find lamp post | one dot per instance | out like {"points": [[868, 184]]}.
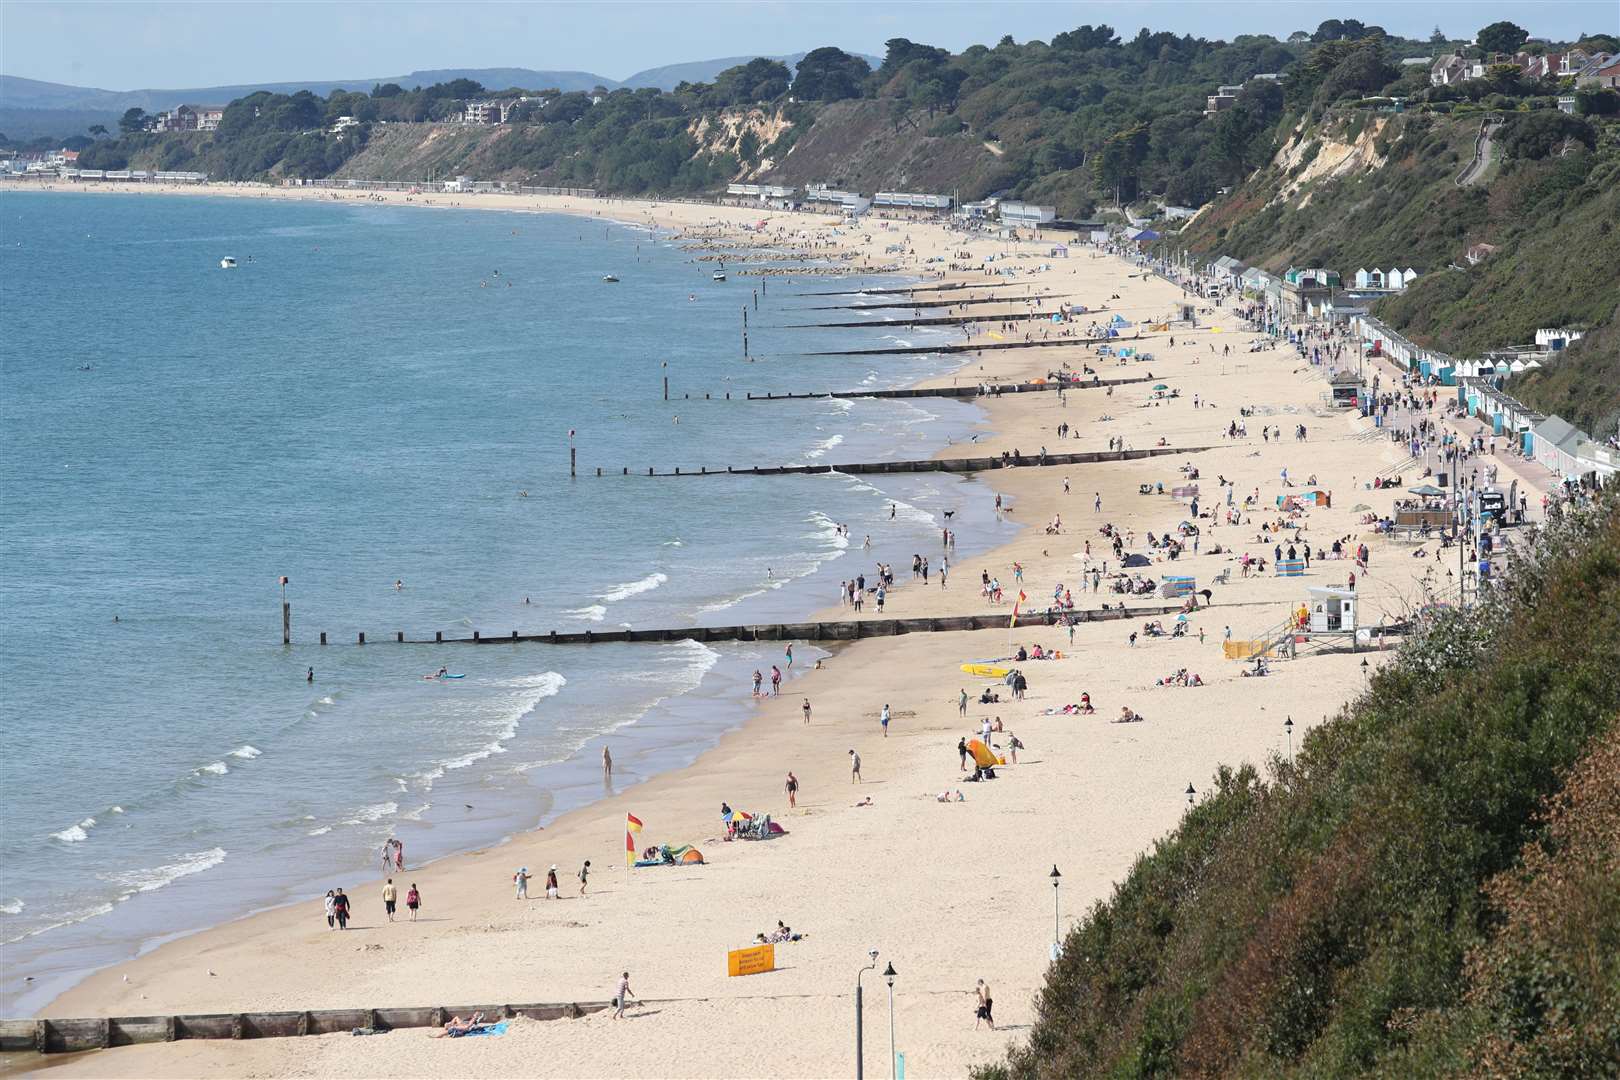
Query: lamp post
{"points": [[888, 977], [1288, 726], [1056, 879], [860, 1056], [1191, 793], [1364, 676]]}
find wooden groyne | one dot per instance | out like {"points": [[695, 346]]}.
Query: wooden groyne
{"points": [[961, 302], [893, 290], [979, 346], [975, 391], [843, 630], [925, 320], [100, 1033], [952, 465]]}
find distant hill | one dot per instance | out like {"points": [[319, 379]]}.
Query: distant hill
{"points": [[30, 107], [18, 93], [672, 75]]}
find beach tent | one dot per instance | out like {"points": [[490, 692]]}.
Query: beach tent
{"points": [[692, 855], [982, 755], [1137, 560], [1425, 489]]}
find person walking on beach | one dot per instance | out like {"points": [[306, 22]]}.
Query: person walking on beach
{"points": [[584, 876], [776, 680], [331, 914], [340, 909], [982, 1011], [521, 881], [622, 997], [1096, 502], [884, 720], [389, 896], [552, 890], [607, 758], [962, 752], [413, 900], [807, 710], [961, 702], [854, 767], [792, 789]]}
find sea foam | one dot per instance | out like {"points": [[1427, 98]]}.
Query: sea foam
{"points": [[633, 588]]}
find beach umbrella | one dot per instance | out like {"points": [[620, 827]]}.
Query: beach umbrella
{"points": [[1160, 386]]}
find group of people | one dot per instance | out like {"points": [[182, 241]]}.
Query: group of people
{"points": [[339, 911], [521, 879]]}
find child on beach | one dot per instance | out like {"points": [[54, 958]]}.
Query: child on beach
{"points": [[331, 916], [521, 881], [884, 720], [584, 874], [854, 767]]}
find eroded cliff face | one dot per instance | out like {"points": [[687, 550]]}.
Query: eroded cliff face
{"points": [[1330, 152]]}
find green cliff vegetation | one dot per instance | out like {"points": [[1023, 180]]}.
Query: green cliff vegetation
{"points": [[1430, 888]]}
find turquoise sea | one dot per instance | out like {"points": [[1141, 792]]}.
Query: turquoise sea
{"points": [[363, 400]]}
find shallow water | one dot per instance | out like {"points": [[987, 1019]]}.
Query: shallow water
{"points": [[363, 401]]}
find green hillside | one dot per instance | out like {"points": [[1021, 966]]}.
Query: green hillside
{"points": [[1431, 888]]}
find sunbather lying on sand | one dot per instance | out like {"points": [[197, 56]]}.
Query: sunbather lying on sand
{"points": [[458, 1027], [1127, 716]]}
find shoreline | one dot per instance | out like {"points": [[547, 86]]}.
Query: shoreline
{"points": [[544, 812], [932, 879]]}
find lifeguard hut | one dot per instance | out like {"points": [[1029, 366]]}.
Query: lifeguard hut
{"points": [[1332, 610]]}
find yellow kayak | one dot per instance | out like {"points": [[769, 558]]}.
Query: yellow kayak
{"points": [[988, 671]]}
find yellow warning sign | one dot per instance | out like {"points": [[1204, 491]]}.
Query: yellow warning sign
{"points": [[751, 961]]}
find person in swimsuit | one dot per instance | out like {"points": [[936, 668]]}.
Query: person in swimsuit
{"points": [[792, 789], [983, 1011]]}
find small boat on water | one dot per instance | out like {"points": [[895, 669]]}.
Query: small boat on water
{"points": [[610, 279], [227, 263], [718, 275]]}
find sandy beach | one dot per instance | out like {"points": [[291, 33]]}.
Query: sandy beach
{"points": [[948, 892]]}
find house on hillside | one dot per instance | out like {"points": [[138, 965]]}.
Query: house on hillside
{"points": [[189, 118], [1478, 253], [344, 123], [1604, 78], [1448, 69], [1222, 99]]}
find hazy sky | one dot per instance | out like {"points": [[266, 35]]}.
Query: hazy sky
{"points": [[132, 45]]}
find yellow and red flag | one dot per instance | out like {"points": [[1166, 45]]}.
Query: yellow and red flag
{"points": [[1020, 600], [632, 825]]}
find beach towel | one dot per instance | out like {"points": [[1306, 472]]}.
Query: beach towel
{"points": [[488, 1029]]}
